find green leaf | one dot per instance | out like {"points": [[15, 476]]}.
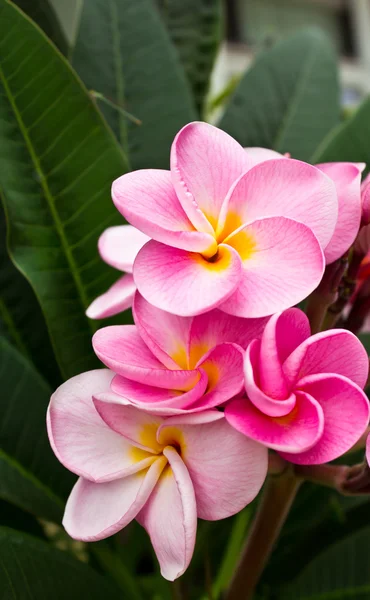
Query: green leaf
{"points": [[123, 52], [30, 475], [340, 572], [42, 12], [32, 569], [57, 162], [196, 28], [289, 99], [349, 141], [21, 319]]}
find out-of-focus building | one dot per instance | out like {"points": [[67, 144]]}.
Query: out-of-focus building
{"points": [[254, 24]]}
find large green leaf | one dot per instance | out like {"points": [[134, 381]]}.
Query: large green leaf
{"points": [[57, 162], [196, 28], [289, 99], [349, 141], [32, 570], [123, 52], [42, 12], [30, 475], [340, 572], [21, 319]]}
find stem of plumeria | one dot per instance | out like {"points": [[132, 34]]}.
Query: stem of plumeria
{"points": [[278, 495], [326, 293]]}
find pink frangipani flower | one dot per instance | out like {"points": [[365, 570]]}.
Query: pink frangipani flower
{"points": [[304, 395], [227, 232], [133, 465], [347, 179], [169, 365], [118, 247]]}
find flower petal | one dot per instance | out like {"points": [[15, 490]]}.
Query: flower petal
{"points": [[258, 155], [335, 351], [266, 404], [362, 243], [205, 162], [166, 335], [184, 283], [282, 264], [216, 327], [285, 187], [226, 468], [80, 439], [299, 430], [347, 179], [118, 298], [170, 517], [147, 200], [346, 415], [118, 246], [95, 511], [150, 397], [365, 200], [121, 348]]}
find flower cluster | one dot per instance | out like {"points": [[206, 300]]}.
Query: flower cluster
{"points": [[217, 368]]}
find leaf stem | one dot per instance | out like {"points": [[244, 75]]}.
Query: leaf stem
{"points": [[278, 496]]}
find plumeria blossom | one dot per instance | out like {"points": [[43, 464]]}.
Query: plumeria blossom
{"points": [[353, 199], [118, 247], [227, 232], [133, 465], [362, 245], [169, 365], [304, 395]]}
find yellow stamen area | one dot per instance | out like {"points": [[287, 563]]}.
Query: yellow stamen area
{"points": [[213, 373], [171, 436], [147, 438], [180, 356], [196, 353], [244, 243], [286, 419], [219, 262], [232, 222]]}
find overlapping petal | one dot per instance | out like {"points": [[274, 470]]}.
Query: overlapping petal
{"points": [[148, 201], [118, 298], [118, 246], [205, 162], [185, 283], [222, 487], [275, 252], [347, 179]]}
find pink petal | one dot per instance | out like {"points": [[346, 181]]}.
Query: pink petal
{"points": [[205, 162], [266, 404], [80, 439], [121, 348], [287, 188], [362, 243], [170, 518], [149, 397], [347, 179], [215, 327], [95, 511], [226, 468], [147, 200], [365, 200], [224, 367], [280, 251], [334, 351], [282, 334], [118, 298], [368, 449], [165, 334], [257, 155], [346, 415], [185, 283], [299, 430], [137, 426], [118, 246]]}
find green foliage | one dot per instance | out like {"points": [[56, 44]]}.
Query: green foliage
{"points": [[30, 568], [30, 475], [42, 12], [340, 572], [289, 99], [123, 52], [55, 178], [195, 27]]}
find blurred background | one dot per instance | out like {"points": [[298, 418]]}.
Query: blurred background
{"points": [[255, 24]]}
